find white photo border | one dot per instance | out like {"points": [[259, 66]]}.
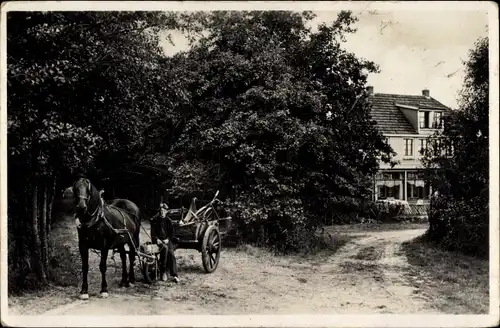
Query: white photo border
{"points": [[387, 320]]}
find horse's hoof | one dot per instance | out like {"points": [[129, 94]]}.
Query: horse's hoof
{"points": [[104, 295], [131, 285], [84, 296]]}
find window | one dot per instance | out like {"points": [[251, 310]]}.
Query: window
{"points": [[416, 187], [390, 185], [436, 147], [408, 147], [438, 120], [411, 191], [418, 175], [388, 192], [448, 149], [423, 119], [417, 192], [423, 146], [397, 176]]}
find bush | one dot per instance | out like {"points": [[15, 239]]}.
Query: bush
{"points": [[459, 213], [385, 211], [277, 233], [284, 227], [460, 225], [281, 227]]}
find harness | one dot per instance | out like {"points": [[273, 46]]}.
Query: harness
{"points": [[98, 215]]}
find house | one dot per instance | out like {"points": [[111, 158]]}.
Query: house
{"points": [[407, 121]]}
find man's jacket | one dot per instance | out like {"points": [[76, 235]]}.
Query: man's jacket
{"points": [[161, 228]]}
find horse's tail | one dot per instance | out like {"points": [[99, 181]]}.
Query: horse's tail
{"points": [[137, 220]]}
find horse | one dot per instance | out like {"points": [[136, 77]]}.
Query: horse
{"points": [[103, 227]]}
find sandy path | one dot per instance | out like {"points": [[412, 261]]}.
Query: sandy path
{"points": [[365, 276]]}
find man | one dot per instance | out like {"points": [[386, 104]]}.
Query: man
{"points": [[162, 231]]}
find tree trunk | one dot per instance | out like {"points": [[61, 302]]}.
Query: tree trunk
{"points": [[36, 252], [52, 194], [22, 238], [43, 230]]}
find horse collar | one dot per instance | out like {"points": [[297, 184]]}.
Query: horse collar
{"points": [[94, 217]]}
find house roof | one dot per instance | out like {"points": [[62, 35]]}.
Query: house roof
{"points": [[390, 119]]}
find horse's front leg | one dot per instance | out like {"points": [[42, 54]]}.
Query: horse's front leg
{"points": [[102, 268], [84, 254], [131, 256], [123, 256]]}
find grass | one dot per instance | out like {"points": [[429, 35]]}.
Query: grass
{"points": [[326, 248], [28, 303], [325, 245], [370, 253], [455, 283], [361, 227], [65, 263], [64, 270]]}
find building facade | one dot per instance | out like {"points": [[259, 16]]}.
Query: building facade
{"points": [[406, 121]]}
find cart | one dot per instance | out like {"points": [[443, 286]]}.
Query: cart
{"points": [[198, 229]]}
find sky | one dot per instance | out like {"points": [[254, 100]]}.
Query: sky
{"points": [[415, 50]]}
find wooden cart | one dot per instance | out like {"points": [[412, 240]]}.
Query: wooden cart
{"points": [[198, 229]]}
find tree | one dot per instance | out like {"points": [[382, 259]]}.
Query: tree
{"points": [[276, 118], [459, 164], [83, 87]]}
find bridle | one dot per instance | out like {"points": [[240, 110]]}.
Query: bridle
{"points": [[97, 214]]}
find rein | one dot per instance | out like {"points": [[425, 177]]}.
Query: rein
{"points": [[99, 214]]}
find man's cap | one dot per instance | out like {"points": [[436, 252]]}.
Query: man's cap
{"points": [[163, 206]]}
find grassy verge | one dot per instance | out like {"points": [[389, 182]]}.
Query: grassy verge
{"points": [[30, 303], [326, 246], [64, 270], [455, 283], [362, 227], [65, 263]]}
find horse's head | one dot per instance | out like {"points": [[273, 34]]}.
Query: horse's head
{"points": [[82, 191]]}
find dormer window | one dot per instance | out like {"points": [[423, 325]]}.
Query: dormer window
{"points": [[438, 120], [424, 120]]}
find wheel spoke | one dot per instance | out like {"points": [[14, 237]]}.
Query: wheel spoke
{"points": [[213, 238], [211, 249]]}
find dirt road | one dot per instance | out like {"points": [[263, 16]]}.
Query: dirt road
{"points": [[367, 275]]}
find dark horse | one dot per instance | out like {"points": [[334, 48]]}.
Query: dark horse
{"points": [[103, 227]]}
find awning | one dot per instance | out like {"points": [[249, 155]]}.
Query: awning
{"points": [[389, 183], [417, 183]]}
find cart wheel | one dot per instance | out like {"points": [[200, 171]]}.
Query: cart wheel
{"points": [[211, 247], [149, 272]]}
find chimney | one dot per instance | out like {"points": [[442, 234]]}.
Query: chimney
{"points": [[425, 93], [369, 89]]}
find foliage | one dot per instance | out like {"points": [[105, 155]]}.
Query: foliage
{"points": [[459, 215], [83, 87], [460, 225], [275, 116], [84, 82], [388, 210]]}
